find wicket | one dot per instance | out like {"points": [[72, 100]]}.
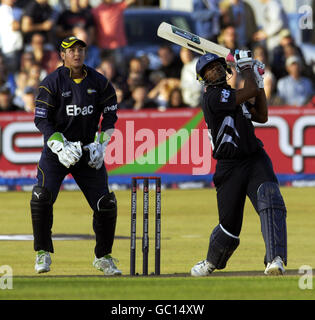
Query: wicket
{"points": [[145, 238]]}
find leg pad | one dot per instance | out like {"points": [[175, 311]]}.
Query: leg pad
{"points": [[42, 218], [104, 224], [272, 213], [221, 247]]}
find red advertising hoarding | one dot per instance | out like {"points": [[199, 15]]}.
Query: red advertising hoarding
{"points": [[173, 144]]}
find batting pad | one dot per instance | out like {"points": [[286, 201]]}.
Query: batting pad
{"points": [[222, 245], [272, 214]]}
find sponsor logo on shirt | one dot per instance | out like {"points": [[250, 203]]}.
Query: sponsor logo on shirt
{"points": [[110, 108], [41, 112], [225, 95], [66, 94], [74, 110], [90, 91]]}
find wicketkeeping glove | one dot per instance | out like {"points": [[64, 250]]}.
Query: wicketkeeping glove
{"points": [[69, 153], [243, 60], [97, 149], [259, 70]]}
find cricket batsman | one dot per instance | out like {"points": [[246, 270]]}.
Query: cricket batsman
{"points": [[69, 107], [243, 167]]}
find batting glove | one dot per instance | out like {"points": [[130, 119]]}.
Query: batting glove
{"points": [[243, 60], [69, 153], [259, 70], [97, 149]]}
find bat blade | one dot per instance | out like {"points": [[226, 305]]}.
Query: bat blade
{"points": [[191, 41]]}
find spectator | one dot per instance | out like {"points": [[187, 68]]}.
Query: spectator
{"points": [[135, 65], [176, 100], [47, 59], [161, 92], [38, 17], [260, 53], [206, 13], [11, 40], [75, 17], [85, 4], [108, 69], [190, 86], [139, 98], [171, 65], [5, 78], [35, 75], [27, 60], [275, 20], [121, 102], [92, 56], [29, 99], [294, 89], [138, 66], [281, 52], [20, 80], [6, 103], [147, 65], [110, 28], [241, 15], [133, 80], [228, 39]]}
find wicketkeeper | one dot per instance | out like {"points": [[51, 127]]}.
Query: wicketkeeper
{"points": [[243, 167], [69, 106]]}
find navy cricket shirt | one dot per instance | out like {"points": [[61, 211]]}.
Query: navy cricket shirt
{"points": [[75, 109], [230, 126]]}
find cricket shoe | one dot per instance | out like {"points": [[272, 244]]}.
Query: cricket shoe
{"points": [[202, 269], [275, 267], [43, 261], [106, 264]]}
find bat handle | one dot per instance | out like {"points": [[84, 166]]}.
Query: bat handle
{"points": [[230, 58]]}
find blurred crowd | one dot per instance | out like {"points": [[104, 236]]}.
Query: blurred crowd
{"points": [[31, 32]]}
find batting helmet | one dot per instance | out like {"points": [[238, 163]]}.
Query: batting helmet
{"points": [[205, 60]]}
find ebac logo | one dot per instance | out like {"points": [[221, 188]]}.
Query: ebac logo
{"points": [[73, 110]]}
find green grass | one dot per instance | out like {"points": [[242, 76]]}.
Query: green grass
{"points": [[188, 216], [181, 288]]}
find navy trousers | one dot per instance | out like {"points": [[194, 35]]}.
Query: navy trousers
{"points": [[92, 182], [236, 179]]}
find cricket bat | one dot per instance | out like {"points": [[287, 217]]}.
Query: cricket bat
{"points": [[193, 42]]}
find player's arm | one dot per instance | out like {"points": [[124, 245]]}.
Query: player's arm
{"points": [[250, 89], [69, 153], [45, 106], [244, 66], [108, 104], [259, 111]]}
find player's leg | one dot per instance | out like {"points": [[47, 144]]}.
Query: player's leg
{"points": [[44, 193], [93, 184], [264, 192], [224, 239]]}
